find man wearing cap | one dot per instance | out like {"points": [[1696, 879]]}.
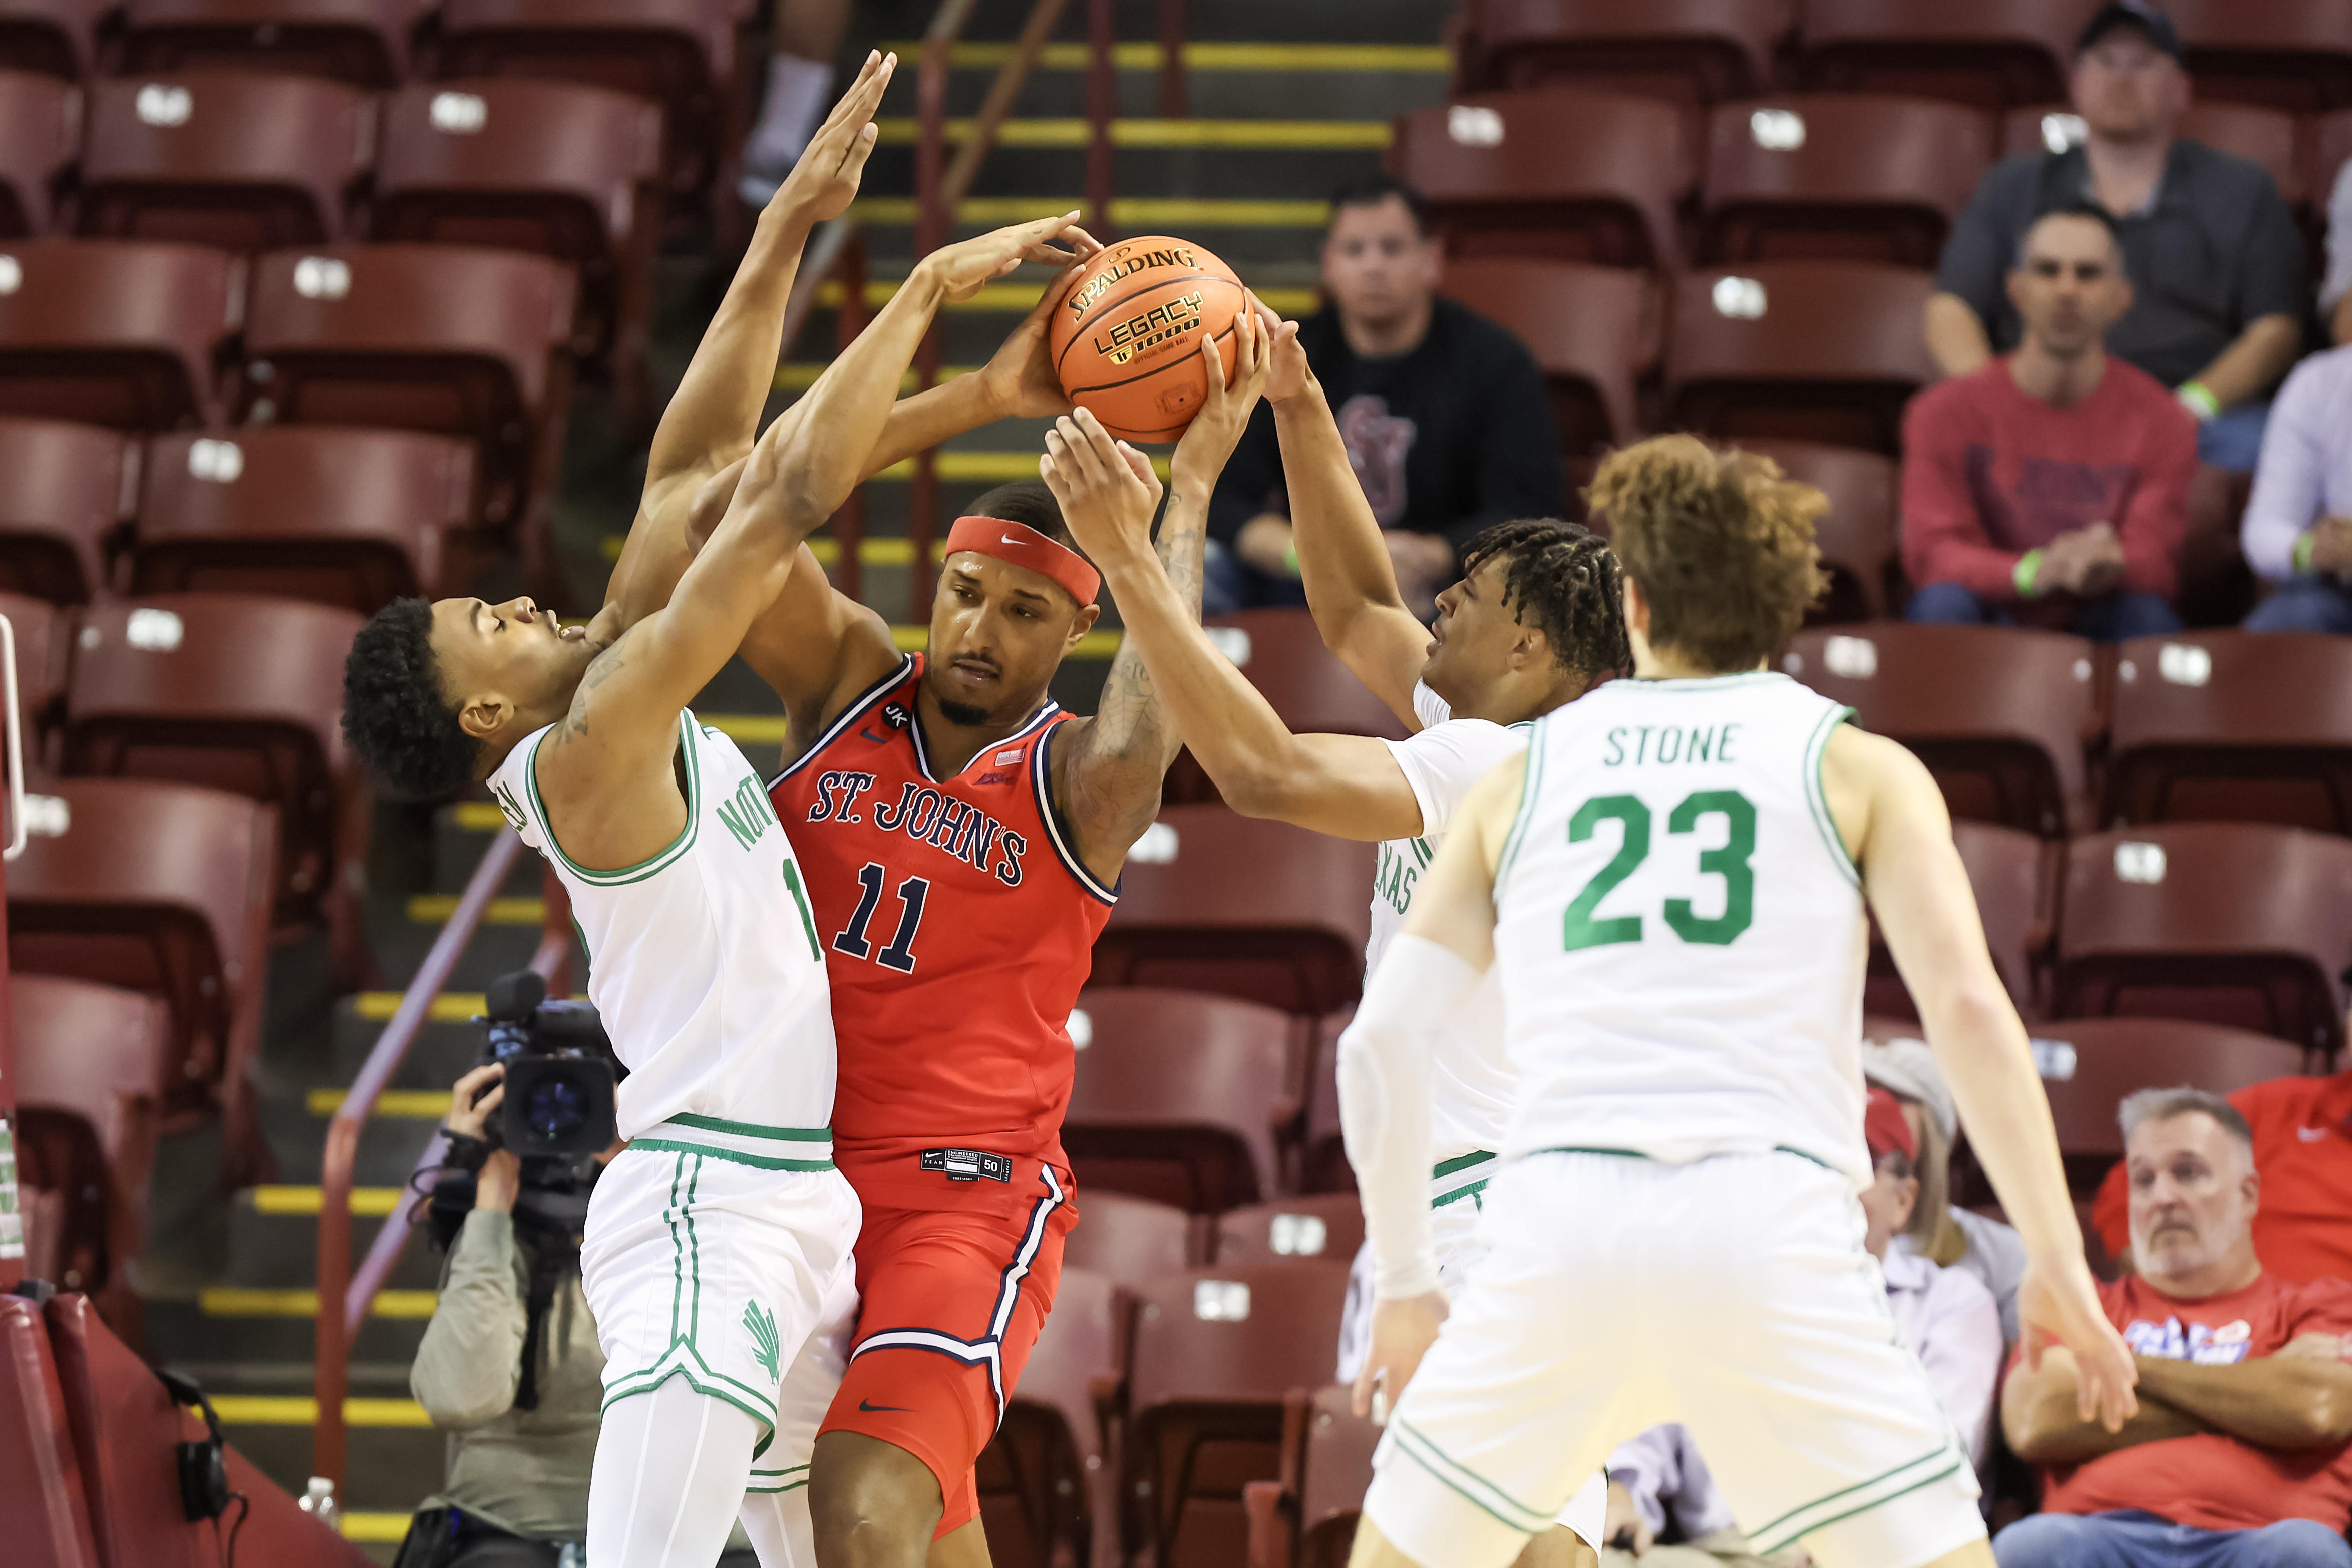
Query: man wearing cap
{"points": [[2217, 260], [2241, 1453]]}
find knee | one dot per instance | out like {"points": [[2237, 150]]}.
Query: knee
{"points": [[1945, 603], [2046, 1540], [866, 1498], [2144, 616], [2296, 1544]]}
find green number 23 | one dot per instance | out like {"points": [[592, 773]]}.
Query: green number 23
{"points": [[1728, 860]]}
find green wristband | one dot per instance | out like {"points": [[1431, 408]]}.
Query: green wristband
{"points": [[2301, 557], [2199, 399], [1290, 560], [2029, 567]]}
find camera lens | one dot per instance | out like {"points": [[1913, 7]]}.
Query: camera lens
{"points": [[555, 1109]]}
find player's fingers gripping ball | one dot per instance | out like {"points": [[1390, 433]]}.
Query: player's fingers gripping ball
{"points": [[1126, 336]]}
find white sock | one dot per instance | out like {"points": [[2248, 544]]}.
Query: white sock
{"points": [[670, 1471], [798, 95]]}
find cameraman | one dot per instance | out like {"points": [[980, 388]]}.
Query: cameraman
{"points": [[518, 1390]]}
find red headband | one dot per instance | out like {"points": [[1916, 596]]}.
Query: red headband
{"points": [[1025, 547]]}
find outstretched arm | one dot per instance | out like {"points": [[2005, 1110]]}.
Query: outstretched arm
{"points": [[1351, 586]]}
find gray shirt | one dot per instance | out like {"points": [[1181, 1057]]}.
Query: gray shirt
{"points": [[2214, 249]]}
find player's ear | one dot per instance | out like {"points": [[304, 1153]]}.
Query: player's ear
{"points": [[1080, 624], [483, 717]]}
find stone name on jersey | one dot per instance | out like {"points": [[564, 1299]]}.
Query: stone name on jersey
{"points": [[957, 828]]}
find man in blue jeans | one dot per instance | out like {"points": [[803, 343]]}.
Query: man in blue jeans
{"points": [[2241, 1453]]}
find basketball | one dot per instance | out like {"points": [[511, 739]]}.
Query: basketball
{"points": [[1127, 338]]}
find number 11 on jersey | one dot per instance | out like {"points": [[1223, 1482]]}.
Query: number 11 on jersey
{"points": [[900, 954]]}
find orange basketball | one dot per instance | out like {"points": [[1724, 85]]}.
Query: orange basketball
{"points": [[1127, 338]]}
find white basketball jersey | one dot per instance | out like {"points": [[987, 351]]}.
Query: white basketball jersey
{"points": [[703, 961], [1471, 1087], [1680, 930]]}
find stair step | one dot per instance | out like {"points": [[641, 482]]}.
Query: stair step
{"points": [[280, 1200], [1020, 298], [301, 1410], [1222, 135], [251, 1301], [376, 1529], [405, 1104], [1432, 59], [1132, 214]]}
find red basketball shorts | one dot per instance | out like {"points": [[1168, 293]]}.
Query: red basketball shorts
{"points": [[952, 1300]]}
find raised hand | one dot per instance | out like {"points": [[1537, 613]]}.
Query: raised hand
{"points": [[1106, 488], [2057, 1303], [1209, 442], [961, 270], [823, 183], [1020, 378], [1288, 374]]}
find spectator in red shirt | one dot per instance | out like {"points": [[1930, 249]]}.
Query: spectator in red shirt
{"points": [[2303, 1151], [2240, 1454], [2051, 486]]}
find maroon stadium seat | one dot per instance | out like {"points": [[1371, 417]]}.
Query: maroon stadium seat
{"points": [[1861, 548], [1323, 1156], [1046, 1481], [1127, 1240], [1182, 1096], [344, 517], [2235, 726], [1818, 351], [118, 334], [65, 492], [240, 691], [52, 37], [1575, 176], [1594, 330], [43, 635], [567, 171], [1284, 658], [222, 158], [2088, 1065], [40, 130], [1688, 50], [2329, 139], [2264, 136], [2233, 922], [41, 1493], [2010, 874], [1215, 1351], [1307, 1518], [447, 339], [1261, 910], [1999, 714], [126, 1430], [94, 1056], [2294, 55], [1322, 1225], [166, 889], [1852, 176], [1990, 53], [680, 53], [363, 42]]}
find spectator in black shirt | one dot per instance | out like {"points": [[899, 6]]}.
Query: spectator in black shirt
{"points": [[1445, 415], [2216, 259]]}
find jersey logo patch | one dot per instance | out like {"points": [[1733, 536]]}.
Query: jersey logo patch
{"points": [[767, 1346], [507, 809], [1007, 758], [747, 812], [896, 716], [968, 1165]]}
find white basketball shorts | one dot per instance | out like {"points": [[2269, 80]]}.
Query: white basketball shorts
{"points": [[1733, 1295], [736, 1277]]}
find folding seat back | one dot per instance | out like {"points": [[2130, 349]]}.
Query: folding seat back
{"points": [[2233, 726], [362, 42], [1594, 330], [1126, 1239], [1330, 1466], [40, 130], [1999, 715], [2259, 135], [1285, 659], [2010, 875], [1323, 1156], [1691, 51], [1859, 541], [1855, 176], [41, 1489], [51, 37], [350, 518], [2329, 139], [1216, 1350], [65, 490], [222, 158], [2089, 1065], [1182, 1096], [125, 335], [43, 634], [2241, 924], [232, 691], [1990, 53], [447, 339], [1216, 902], [2294, 55], [162, 888], [1820, 350], [1573, 176], [1045, 1481], [1321, 1225], [679, 53]]}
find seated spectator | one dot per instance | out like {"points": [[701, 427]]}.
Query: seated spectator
{"points": [[2336, 288], [1945, 1316], [2050, 486], [2302, 1130], [1445, 414], [1951, 1238], [2241, 1453], [2220, 317], [2298, 527]]}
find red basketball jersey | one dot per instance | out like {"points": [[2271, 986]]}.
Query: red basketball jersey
{"points": [[958, 925]]}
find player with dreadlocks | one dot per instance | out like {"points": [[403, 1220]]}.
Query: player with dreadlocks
{"points": [[1534, 623]]}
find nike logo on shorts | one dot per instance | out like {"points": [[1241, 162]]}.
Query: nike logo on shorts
{"points": [[877, 1409]]}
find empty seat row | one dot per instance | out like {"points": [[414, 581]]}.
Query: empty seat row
{"points": [[2290, 54], [1627, 180]]}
